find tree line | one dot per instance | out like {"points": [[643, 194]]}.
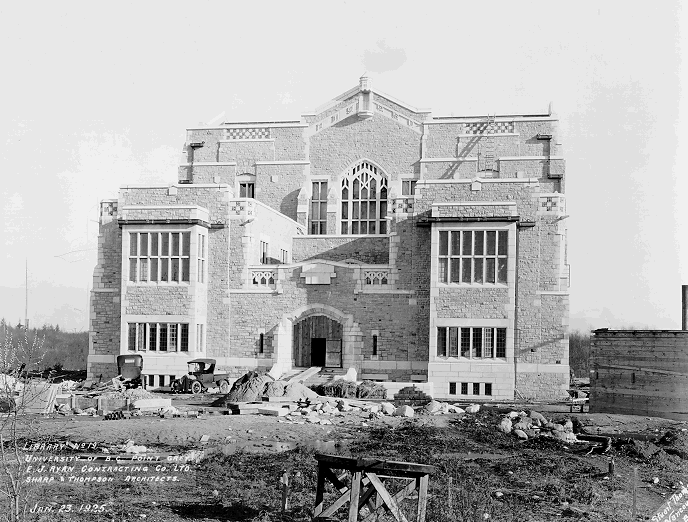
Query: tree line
{"points": [[60, 349]]}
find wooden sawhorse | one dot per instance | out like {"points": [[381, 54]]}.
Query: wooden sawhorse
{"points": [[367, 488]]}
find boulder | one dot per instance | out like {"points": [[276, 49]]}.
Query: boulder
{"points": [[523, 424], [387, 408], [433, 407], [505, 425], [513, 414], [521, 434], [537, 417], [473, 408], [403, 411], [568, 426], [458, 408]]}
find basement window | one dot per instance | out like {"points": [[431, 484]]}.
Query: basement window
{"points": [[476, 388], [452, 388], [488, 388], [464, 388]]}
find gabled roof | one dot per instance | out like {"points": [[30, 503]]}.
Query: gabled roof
{"points": [[364, 86]]}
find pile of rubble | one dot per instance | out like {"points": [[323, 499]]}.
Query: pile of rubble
{"points": [[319, 412], [533, 424]]}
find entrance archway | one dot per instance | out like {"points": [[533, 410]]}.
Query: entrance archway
{"points": [[317, 341], [351, 336]]}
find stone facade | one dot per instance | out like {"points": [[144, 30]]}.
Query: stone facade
{"points": [[435, 245]]}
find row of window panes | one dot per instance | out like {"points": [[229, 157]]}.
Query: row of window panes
{"points": [[162, 337], [159, 256], [163, 380], [471, 342], [473, 256], [487, 388]]}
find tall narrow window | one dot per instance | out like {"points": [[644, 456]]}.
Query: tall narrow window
{"points": [[184, 338], [201, 258], [261, 343], [318, 215], [374, 344], [264, 253], [364, 201]]}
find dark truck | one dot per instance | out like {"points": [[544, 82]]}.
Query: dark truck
{"points": [[201, 376]]}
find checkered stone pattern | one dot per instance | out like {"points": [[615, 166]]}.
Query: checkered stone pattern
{"points": [[252, 133], [242, 208], [553, 204], [403, 206], [499, 127]]}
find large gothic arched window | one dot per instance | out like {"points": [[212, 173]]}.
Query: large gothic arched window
{"points": [[364, 200]]}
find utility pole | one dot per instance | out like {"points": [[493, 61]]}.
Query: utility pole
{"points": [[26, 301]]}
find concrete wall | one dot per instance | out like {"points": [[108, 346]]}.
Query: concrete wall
{"points": [[640, 372]]}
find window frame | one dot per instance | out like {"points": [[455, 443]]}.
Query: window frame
{"points": [[464, 342], [459, 263], [319, 224], [369, 177], [152, 262], [147, 337]]}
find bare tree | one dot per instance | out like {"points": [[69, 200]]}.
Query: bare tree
{"points": [[17, 391]]}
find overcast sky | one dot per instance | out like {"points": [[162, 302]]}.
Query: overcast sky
{"points": [[95, 96]]}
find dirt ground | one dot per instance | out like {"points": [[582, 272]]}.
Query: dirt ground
{"points": [[494, 476]]}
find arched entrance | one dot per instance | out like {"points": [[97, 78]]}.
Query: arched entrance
{"points": [[317, 341], [351, 337]]}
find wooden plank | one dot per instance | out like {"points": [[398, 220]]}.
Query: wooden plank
{"points": [[355, 496], [336, 481], [338, 503], [382, 507], [320, 489], [379, 466], [422, 498], [391, 504]]}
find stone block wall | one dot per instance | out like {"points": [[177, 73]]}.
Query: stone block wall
{"points": [[370, 249]]}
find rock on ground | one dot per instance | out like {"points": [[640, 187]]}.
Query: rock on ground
{"points": [[538, 417], [433, 407], [404, 411], [521, 434], [387, 408], [505, 425], [473, 408]]}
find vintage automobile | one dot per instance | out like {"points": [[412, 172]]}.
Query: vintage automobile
{"points": [[201, 376], [130, 368]]}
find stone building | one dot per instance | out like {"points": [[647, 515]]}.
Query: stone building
{"points": [[368, 234]]}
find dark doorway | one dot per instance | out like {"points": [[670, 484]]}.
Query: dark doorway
{"points": [[317, 342], [318, 351]]}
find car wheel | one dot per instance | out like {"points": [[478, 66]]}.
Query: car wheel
{"points": [[196, 387], [224, 387]]}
